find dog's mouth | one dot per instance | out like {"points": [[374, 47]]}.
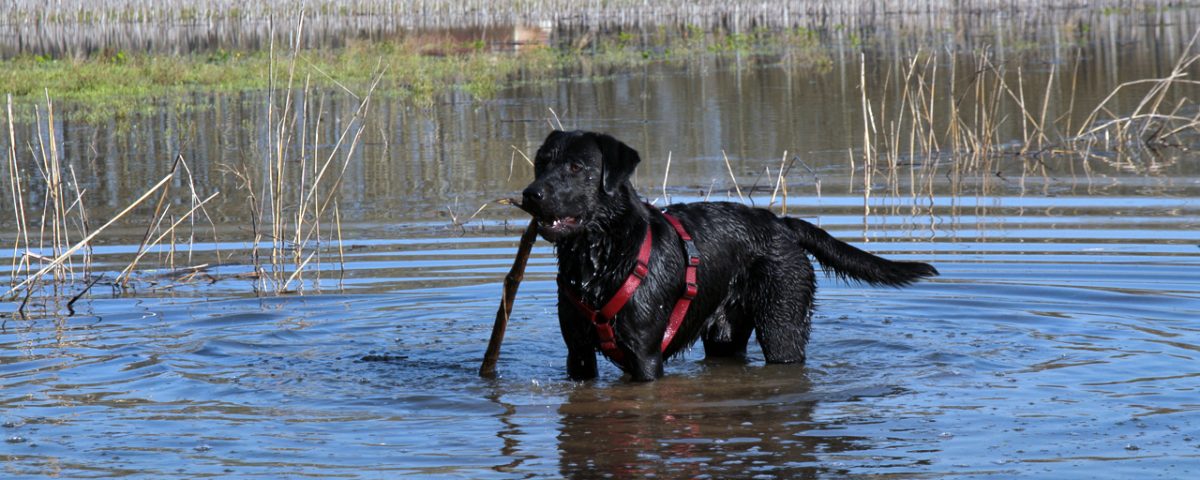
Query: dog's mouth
{"points": [[555, 229], [558, 224], [551, 227]]}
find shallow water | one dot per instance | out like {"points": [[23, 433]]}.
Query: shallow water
{"points": [[1051, 345], [1061, 338]]}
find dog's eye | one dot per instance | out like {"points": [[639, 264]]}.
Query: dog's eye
{"points": [[575, 167]]}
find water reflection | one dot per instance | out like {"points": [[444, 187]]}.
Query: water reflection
{"points": [[729, 420], [431, 165]]}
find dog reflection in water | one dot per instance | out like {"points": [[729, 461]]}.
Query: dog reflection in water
{"points": [[734, 421]]}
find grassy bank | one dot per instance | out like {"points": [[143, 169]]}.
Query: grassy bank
{"points": [[117, 84]]}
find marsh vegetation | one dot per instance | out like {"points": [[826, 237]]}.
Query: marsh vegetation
{"points": [[949, 105]]}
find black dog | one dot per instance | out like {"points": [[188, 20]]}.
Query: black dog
{"points": [[753, 271]]}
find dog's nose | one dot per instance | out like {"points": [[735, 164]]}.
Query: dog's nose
{"points": [[533, 194]]}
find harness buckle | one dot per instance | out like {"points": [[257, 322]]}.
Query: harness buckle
{"points": [[605, 332], [641, 270], [691, 291]]}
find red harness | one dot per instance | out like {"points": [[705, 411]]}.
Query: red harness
{"points": [[603, 318]]}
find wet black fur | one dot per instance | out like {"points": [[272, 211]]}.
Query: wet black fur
{"points": [[755, 274]]}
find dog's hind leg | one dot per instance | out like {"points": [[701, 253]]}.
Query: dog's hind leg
{"points": [[780, 300]]}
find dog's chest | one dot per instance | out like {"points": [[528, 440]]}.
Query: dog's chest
{"points": [[591, 268]]}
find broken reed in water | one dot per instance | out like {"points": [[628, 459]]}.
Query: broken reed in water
{"points": [[296, 219], [53, 242]]}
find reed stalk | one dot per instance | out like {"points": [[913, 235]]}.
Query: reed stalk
{"points": [[924, 117], [20, 262], [61, 258], [45, 267], [123, 277], [732, 177], [290, 207]]}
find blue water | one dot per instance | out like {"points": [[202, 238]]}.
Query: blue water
{"points": [[1050, 346]]}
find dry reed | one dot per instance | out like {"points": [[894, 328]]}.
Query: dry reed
{"points": [[909, 123], [291, 209], [294, 204]]}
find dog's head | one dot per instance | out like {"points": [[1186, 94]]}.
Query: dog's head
{"points": [[580, 178]]}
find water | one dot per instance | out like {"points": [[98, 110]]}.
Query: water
{"points": [[1060, 340], [1051, 345]]}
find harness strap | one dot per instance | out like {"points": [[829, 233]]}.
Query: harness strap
{"points": [[602, 319], [691, 287]]}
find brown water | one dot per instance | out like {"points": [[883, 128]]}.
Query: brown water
{"points": [[1060, 341]]}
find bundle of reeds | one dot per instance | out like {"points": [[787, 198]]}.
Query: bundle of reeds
{"points": [[292, 194]]}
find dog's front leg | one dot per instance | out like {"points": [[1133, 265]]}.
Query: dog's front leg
{"points": [[581, 363], [577, 334]]}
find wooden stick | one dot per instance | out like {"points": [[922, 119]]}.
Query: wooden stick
{"points": [[511, 282]]}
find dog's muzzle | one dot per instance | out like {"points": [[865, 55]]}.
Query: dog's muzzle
{"points": [[552, 226]]}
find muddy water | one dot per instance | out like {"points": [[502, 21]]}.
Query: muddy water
{"points": [[1061, 339]]}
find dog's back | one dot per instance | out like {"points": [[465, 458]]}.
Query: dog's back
{"points": [[747, 230]]}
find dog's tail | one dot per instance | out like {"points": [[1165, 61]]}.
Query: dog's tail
{"points": [[848, 262]]}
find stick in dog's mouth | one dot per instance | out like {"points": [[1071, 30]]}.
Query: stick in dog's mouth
{"points": [[547, 223], [516, 202]]}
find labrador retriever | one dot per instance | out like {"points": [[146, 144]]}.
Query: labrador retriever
{"points": [[641, 284]]}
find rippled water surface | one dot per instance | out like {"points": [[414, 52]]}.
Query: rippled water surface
{"points": [[1061, 339], [1052, 344]]}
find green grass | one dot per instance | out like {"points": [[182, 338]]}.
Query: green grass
{"points": [[118, 84]]}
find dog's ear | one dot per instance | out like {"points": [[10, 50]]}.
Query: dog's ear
{"points": [[618, 163]]}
